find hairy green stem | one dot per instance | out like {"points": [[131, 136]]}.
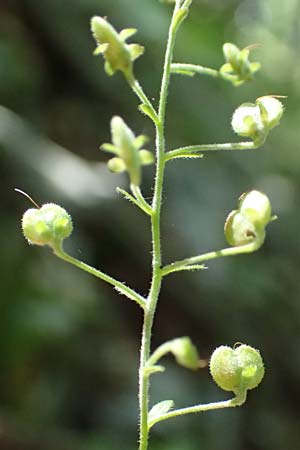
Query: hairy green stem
{"points": [[185, 264], [156, 239], [138, 90], [183, 151], [119, 286], [192, 69], [236, 401]]}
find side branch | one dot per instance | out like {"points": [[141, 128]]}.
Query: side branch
{"points": [[194, 149], [236, 401], [119, 286], [186, 264]]}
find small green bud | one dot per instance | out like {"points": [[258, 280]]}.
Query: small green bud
{"points": [[124, 140], [185, 353], [126, 147], [271, 110], [238, 369], [48, 225], [117, 54], [256, 207]]}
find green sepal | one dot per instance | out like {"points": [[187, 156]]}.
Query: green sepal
{"points": [[116, 165], [141, 140], [135, 51], [108, 69], [109, 148], [146, 157], [159, 410], [101, 49], [127, 33]]}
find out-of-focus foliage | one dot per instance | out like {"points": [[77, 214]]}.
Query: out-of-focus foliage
{"points": [[69, 345]]}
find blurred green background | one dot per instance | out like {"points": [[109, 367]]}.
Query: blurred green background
{"points": [[69, 343]]}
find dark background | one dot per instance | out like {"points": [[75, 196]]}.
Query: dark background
{"points": [[69, 343]]}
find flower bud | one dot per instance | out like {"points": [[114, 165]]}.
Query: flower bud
{"points": [[126, 147], [123, 139], [185, 353], [48, 225], [256, 207], [117, 54], [238, 369], [271, 110]]}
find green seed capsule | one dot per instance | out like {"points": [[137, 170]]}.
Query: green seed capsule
{"points": [[238, 369], [239, 230], [256, 207], [48, 225]]}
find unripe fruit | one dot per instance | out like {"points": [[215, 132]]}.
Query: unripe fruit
{"points": [[48, 225], [256, 207], [237, 370]]}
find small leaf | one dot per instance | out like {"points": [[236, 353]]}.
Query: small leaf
{"points": [[149, 370], [124, 292], [160, 409], [127, 33], [145, 109], [186, 72]]}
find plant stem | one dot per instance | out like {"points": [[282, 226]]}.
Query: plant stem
{"points": [[247, 145], [236, 401], [119, 286], [149, 311], [185, 264]]}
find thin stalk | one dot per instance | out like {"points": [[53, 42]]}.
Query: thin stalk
{"points": [[156, 239], [192, 69], [138, 90], [236, 401], [141, 200], [182, 151], [119, 286], [185, 264]]}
